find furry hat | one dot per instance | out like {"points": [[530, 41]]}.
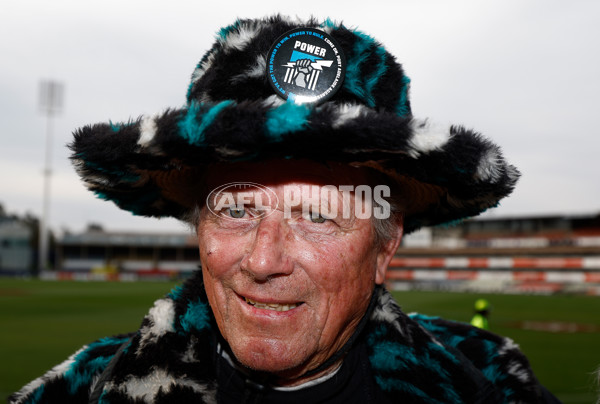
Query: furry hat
{"points": [[153, 166]]}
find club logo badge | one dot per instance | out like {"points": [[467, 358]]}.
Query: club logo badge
{"points": [[306, 65]]}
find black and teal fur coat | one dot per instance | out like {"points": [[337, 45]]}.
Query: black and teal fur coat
{"points": [[170, 359]]}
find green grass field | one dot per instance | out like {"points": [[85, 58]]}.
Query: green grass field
{"points": [[42, 323]]}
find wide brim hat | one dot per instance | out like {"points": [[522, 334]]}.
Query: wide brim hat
{"points": [[154, 165]]}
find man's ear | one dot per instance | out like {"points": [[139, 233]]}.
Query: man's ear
{"points": [[386, 253]]}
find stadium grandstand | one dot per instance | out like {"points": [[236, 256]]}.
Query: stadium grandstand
{"points": [[98, 254], [530, 254], [546, 254]]}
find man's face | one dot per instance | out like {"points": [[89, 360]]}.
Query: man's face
{"points": [[288, 289]]}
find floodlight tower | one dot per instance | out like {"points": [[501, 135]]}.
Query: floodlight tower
{"points": [[51, 100]]}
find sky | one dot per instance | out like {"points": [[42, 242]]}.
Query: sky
{"points": [[524, 73]]}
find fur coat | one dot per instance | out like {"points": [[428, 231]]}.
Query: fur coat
{"points": [[170, 359]]}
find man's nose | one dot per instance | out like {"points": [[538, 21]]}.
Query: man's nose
{"points": [[267, 257]]}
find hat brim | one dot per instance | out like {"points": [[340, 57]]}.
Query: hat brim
{"points": [[154, 166]]}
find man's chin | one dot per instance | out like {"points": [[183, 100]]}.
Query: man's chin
{"points": [[269, 364], [281, 363]]}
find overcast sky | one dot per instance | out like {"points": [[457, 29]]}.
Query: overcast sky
{"points": [[523, 73]]}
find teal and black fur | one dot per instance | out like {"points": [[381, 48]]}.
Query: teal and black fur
{"points": [[153, 165], [171, 359]]}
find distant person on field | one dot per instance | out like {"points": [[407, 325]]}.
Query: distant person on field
{"points": [[482, 311]]}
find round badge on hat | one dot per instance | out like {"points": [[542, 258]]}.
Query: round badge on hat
{"points": [[306, 65]]}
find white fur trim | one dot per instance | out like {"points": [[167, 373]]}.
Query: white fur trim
{"points": [[517, 370], [225, 152], [161, 317], [507, 345], [240, 38], [273, 101], [327, 28], [514, 368], [147, 131], [146, 388], [427, 138], [95, 180], [347, 112], [387, 312], [488, 168], [189, 355], [200, 70], [512, 172]]}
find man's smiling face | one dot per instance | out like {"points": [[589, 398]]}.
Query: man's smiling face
{"points": [[288, 290]]}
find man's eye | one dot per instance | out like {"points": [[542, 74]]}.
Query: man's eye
{"points": [[237, 213], [317, 218]]}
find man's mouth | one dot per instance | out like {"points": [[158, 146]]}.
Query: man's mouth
{"points": [[272, 306]]}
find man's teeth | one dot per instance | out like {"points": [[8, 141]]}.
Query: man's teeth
{"points": [[271, 306]]}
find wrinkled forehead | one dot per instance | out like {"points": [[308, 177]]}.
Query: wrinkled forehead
{"points": [[282, 172]]}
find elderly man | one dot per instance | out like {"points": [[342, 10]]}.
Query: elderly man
{"points": [[299, 164]]}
